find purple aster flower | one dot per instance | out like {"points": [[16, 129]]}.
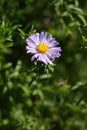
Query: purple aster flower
{"points": [[42, 47], [47, 22], [61, 83]]}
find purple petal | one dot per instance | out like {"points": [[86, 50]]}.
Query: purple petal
{"points": [[54, 49], [48, 60], [50, 38], [34, 38], [34, 57], [54, 52], [30, 43], [52, 43], [42, 36], [31, 50], [37, 37], [44, 59]]}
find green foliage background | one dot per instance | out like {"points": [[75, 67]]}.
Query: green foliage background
{"points": [[34, 96]]}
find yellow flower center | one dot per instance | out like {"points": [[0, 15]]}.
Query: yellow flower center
{"points": [[42, 47]]}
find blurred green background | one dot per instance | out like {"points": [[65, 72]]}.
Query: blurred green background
{"points": [[36, 97]]}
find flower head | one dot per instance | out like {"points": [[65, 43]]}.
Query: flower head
{"points": [[47, 22], [62, 83], [42, 47]]}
